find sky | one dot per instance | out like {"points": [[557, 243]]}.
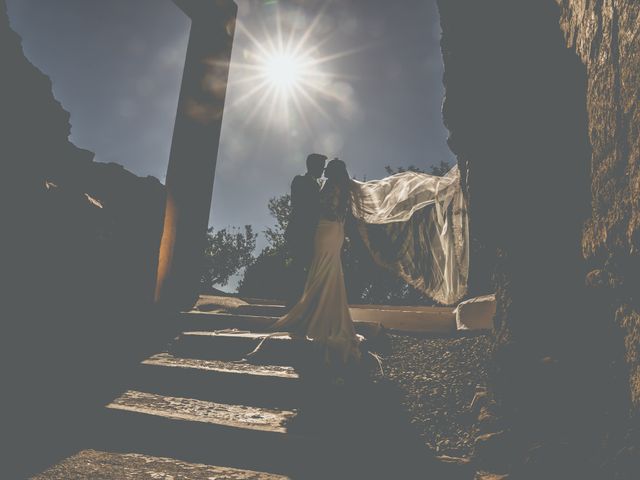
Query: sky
{"points": [[371, 92]]}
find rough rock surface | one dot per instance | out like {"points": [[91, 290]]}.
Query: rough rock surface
{"points": [[78, 231], [168, 360], [80, 241], [91, 464], [606, 36], [542, 106], [191, 409]]}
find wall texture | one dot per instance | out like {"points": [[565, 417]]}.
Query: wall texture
{"points": [[78, 259], [542, 106], [606, 36]]}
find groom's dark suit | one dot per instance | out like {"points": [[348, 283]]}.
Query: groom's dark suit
{"points": [[305, 212]]}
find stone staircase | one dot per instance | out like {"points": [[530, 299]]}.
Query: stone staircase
{"points": [[198, 411]]}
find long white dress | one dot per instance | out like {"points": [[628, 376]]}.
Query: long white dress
{"points": [[322, 313]]}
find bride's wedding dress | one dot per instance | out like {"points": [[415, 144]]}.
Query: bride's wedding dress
{"points": [[322, 313]]}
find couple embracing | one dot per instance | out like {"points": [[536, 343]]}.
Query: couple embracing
{"points": [[420, 233], [315, 234]]}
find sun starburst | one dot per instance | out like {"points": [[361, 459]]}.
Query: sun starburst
{"points": [[284, 71], [284, 74]]}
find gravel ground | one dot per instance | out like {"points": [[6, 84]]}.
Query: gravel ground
{"points": [[438, 379]]}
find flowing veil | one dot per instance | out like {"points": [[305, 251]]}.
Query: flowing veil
{"points": [[416, 225]]}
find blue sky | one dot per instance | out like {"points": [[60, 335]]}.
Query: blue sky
{"points": [[116, 67]]}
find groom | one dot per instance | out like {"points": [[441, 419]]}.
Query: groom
{"points": [[305, 212]]}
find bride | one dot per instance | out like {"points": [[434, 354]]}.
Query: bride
{"points": [[413, 224]]}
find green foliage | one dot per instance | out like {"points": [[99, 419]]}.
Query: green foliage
{"points": [[280, 209], [410, 168], [268, 275], [439, 170], [226, 253]]}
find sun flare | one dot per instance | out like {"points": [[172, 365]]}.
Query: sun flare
{"points": [[284, 70], [283, 77]]}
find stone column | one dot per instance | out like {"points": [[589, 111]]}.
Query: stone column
{"points": [[194, 150]]}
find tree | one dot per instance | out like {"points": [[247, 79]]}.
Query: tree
{"points": [[280, 209], [226, 253], [410, 168], [268, 276], [439, 170]]}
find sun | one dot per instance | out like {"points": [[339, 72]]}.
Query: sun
{"points": [[284, 70], [283, 77]]}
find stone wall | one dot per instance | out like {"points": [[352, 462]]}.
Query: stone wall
{"points": [[80, 243], [542, 106], [606, 36]]}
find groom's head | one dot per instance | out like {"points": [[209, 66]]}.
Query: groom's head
{"points": [[315, 164]]}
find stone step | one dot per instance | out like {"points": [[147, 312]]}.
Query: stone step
{"points": [[202, 321], [304, 355], [227, 382], [230, 345], [194, 410], [335, 441], [257, 309], [213, 366], [209, 321], [262, 301], [92, 465], [211, 433], [428, 320]]}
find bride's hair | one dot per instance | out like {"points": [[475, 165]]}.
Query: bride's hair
{"points": [[337, 175]]}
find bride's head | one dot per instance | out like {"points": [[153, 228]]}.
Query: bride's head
{"points": [[336, 172], [338, 181]]}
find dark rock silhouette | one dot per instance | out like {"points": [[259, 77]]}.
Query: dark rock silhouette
{"points": [[544, 136], [80, 243]]}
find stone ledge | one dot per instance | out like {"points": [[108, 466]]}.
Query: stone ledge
{"points": [[192, 410], [169, 361], [198, 321], [227, 382], [92, 464], [412, 319]]}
